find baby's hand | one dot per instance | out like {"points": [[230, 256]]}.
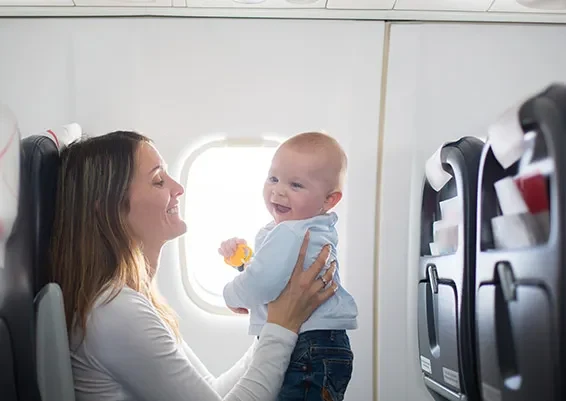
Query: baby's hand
{"points": [[228, 247]]}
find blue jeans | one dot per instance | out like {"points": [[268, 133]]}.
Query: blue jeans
{"points": [[320, 367]]}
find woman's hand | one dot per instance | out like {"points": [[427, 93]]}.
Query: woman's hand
{"points": [[304, 291]]}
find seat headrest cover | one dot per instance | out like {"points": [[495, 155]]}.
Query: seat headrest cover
{"points": [[435, 173], [64, 135], [506, 137], [9, 175]]}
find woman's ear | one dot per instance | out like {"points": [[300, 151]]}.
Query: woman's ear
{"points": [[332, 200]]}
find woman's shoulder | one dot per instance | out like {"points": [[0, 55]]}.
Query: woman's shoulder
{"points": [[120, 300], [114, 311]]}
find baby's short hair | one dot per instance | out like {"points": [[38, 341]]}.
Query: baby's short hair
{"points": [[316, 141]]}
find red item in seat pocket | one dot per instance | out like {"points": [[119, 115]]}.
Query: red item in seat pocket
{"points": [[534, 191]]}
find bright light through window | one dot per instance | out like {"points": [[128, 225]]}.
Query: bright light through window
{"points": [[223, 199]]}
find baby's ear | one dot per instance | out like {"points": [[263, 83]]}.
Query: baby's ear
{"points": [[332, 200]]}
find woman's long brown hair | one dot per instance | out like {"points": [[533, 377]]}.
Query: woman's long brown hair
{"points": [[92, 250]]}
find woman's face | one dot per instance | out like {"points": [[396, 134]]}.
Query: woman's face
{"points": [[154, 200]]}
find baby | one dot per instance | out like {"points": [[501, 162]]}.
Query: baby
{"points": [[304, 183]]}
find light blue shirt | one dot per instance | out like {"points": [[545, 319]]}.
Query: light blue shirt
{"points": [[276, 250]]}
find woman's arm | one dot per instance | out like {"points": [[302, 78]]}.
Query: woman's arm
{"points": [[267, 370], [131, 342], [223, 383]]}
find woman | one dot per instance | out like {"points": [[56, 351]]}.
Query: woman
{"points": [[116, 208]]}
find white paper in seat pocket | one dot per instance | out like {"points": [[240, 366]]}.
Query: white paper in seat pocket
{"points": [[437, 177], [506, 138]]}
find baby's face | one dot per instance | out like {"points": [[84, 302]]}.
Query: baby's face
{"points": [[297, 185]]}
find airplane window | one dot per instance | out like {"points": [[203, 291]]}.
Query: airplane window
{"points": [[223, 199]]}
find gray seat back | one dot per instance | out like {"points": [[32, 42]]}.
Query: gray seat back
{"points": [[54, 373]]}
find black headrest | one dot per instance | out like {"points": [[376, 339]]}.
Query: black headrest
{"points": [[40, 168]]}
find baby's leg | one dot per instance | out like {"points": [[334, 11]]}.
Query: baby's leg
{"points": [[320, 369], [294, 386], [332, 360]]}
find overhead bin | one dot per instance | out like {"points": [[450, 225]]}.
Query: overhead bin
{"points": [[446, 271], [39, 3], [514, 7], [256, 3], [521, 253], [443, 5], [124, 3], [360, 4], [380, 10], [297, 4]]}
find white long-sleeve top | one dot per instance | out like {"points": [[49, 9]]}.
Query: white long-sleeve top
{"points": [[129, 354]]}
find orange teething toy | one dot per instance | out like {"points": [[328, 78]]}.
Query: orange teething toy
{"points": [[242, 255]]}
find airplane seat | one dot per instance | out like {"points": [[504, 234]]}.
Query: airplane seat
{"points": [[15, 312], [447, 271], [520, 254], [39, 175]]}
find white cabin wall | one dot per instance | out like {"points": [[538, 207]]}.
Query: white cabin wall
{"points": [[444, 81], [182, 81]]}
